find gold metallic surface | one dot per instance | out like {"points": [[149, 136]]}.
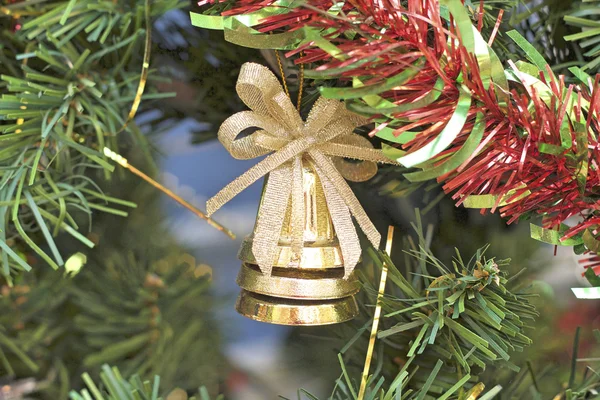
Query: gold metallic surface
{"points": [[290, 312], [297, 284], [318, 227], [376, 316], [474, 393], [306, 285], [321, 248], [310, 258]]}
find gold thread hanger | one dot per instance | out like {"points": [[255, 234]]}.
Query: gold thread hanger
{"points": [[300, 80]]}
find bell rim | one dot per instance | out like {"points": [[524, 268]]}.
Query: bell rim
{"points": [[293, 313]]}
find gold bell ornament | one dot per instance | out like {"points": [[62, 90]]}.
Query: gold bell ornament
{"points": [[304, 288], [297, 265]]}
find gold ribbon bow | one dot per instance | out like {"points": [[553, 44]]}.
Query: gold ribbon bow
{"points": [[323, 140]]}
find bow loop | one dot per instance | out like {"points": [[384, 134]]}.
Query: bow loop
{"points": [[246, 147], [322, 114], [282, 109], [260, 90], [255, 85]]}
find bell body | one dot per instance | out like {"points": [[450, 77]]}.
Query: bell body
{"points": [[304, 290]]}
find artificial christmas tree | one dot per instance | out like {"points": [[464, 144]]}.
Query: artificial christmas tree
{"points": [[432, 85]]}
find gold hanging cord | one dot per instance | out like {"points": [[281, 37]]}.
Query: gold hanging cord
{"points": [[300, 80], [122, 161]]}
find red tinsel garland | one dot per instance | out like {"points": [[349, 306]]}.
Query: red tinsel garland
{"points": [[389, 39]]}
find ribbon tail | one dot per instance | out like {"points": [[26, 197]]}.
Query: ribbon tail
{"points": [[297, 214], [243, 148], [269, 164], [344, 228], [327, 169], [270, 221]]}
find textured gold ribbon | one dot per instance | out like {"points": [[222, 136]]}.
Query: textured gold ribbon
{"points": [[323, 140]]}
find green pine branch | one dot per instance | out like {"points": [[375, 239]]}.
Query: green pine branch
{"points": [[585, 32], [582, 386], [463, 315], [64, 97], [144, 316], [138, 301], [115, 387], [443, 326]]}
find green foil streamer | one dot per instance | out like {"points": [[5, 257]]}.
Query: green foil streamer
{"points": [[245, 36], [446, 136], [548, 148], [388, 134], [528, 68], [388, 108], [219, 23], [491, 200], [362, 91], [591, 277], [582, 155], [590, 293], [316, 37], [207, 21], [372, 100], [333, 72], [499, 80], [483, 201], [238, 29], [457, 158], [565, 135], [552, 236], [490, 67], [471, 39], [530, 52], [541, 89], [582, 76], [591, 242], [391, 152]]}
